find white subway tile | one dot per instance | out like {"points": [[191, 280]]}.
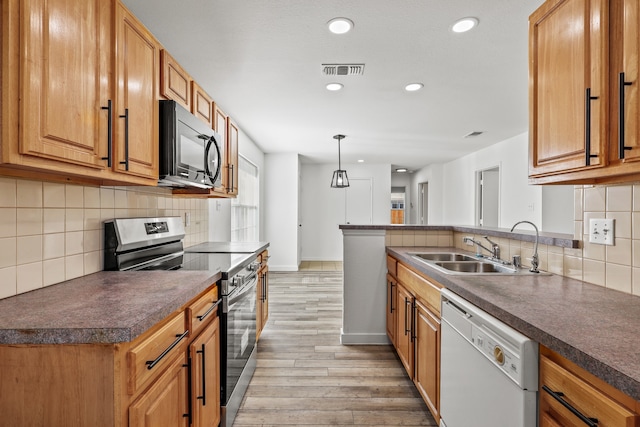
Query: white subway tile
{"points": [[28, 249], [8, 192], [53, 245], [29, 277], [74, 196], [73, 266], [28, 221], [8, 283], [92, 197], [53, 271], [54, 195], [8, 224], [29, 194], [53, 220], [74, 242]]}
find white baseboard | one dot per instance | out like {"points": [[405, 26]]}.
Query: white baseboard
{"points": [[364, 339]]}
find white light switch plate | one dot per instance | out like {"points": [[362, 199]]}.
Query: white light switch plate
{"points": [[601, 231]]}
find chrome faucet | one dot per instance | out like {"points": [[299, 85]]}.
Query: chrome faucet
{"points": [[494, 251], [534, 259]]}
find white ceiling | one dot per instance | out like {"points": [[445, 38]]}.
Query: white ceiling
{"points": [[261, 62]]}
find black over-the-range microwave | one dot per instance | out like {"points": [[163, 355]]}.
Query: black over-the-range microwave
{"points": [[191, 153]]}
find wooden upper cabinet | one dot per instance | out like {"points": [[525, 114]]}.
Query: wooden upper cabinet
{"points": [[232, 158], [568, 89], [202, 104], [220, 126], [65, 62], [625, 112], [175, 81], [136, 113]]}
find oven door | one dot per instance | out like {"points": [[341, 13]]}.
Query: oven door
{"points": [[238, 333]]}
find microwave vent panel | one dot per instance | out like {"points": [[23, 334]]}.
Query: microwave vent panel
{"points": [[342, 69]]}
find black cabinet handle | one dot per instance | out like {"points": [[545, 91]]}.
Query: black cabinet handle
{"points": [[204, 378], [587, 129], [206, 313], [109, 133], [557, 395], [189, 398], [413, 320], [126, 139], [180, 337], [391, 285], [621, 104], [406, 312], [230, 180]]}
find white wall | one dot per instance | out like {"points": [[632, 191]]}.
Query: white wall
{"points": [[434, 176], [557, 208], [518, 200], [220, 209], [281, 178], [322, 208]]}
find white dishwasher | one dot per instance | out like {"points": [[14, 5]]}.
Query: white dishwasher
{"points": [[489, 371]]}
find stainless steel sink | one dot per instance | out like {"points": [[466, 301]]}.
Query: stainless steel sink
{"points": [[475, 267], [444, 256], [457, 263]]}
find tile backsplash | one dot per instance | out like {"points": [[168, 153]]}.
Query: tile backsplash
{"points": [[51, 232]]}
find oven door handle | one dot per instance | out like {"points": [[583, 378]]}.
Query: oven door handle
{"points": [[236, 296]]}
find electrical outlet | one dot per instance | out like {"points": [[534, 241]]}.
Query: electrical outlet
{"points": [[601, 231], [467, 240]]}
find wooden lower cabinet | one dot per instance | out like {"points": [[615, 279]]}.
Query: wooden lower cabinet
{"points": [[427, 360], [204, 354], [262, 297], [165, 404], [111, 385], [563, 384], [413, 326], [392, 308], [404, 340]]}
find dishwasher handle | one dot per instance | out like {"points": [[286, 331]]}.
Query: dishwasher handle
{"points": [[457, 308]]}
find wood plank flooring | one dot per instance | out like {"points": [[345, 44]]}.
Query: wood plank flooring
{"points": [[305, 377]]}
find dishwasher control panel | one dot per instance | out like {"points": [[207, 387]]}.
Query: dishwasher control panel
{"points": [[497, 352]]}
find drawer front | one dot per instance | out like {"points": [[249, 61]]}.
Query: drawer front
{"points": [[392, 266], [200, 313], [423, 289], [586, 399], [148, 359]]}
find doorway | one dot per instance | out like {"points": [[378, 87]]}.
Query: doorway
{"points": [[488, 197], [398, 213]]}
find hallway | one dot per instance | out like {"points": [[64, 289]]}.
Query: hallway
{"points": [[306, 378]]}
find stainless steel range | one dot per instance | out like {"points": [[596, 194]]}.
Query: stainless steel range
{"points": [[156, 244]]}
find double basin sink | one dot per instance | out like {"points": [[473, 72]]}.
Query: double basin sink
{"points": [[457, 263]]}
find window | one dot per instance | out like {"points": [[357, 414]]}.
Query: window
{"points": [[244, 208]]}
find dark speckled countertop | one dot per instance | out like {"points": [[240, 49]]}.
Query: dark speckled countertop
{"points": [[106, 307], [596, 328]]}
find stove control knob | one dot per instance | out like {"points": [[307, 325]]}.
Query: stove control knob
{"points": [[254, 266]]}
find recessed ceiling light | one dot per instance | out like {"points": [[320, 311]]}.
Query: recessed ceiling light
{"points": [[412, 87], [334, 86], [360, 161], [340, 25], [401, 170], [464, 24]]}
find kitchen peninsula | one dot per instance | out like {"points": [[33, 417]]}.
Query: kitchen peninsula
{"points": [[594, 327]]}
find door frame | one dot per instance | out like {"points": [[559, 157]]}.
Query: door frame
{"points": [[423, 203], [478, 191]]}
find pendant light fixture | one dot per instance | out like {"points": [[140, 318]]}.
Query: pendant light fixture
{"points": [[340, 179]]}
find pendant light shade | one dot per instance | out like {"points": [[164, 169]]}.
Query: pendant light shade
{"points": [[340, 178]]}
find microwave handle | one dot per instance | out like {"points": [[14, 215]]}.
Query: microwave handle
{"points": [[213, 177]]}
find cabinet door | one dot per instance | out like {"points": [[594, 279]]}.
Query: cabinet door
{"points": [[165, 403], [392, 309], [404, 331], [175, 82], [205, 381], [568, 90], [627, 110], [220, 126], [427, 361], [136, 114], [201, 104], [65, 47], [232, 158]]}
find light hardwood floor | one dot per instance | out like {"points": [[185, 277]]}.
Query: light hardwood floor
{"points": [[305, 377]]}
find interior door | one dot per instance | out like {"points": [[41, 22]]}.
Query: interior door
{"points": [[489, 197], [358, 202]]}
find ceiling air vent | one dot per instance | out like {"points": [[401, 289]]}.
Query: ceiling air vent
{"points": [[474, 133], [342, 69]]}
